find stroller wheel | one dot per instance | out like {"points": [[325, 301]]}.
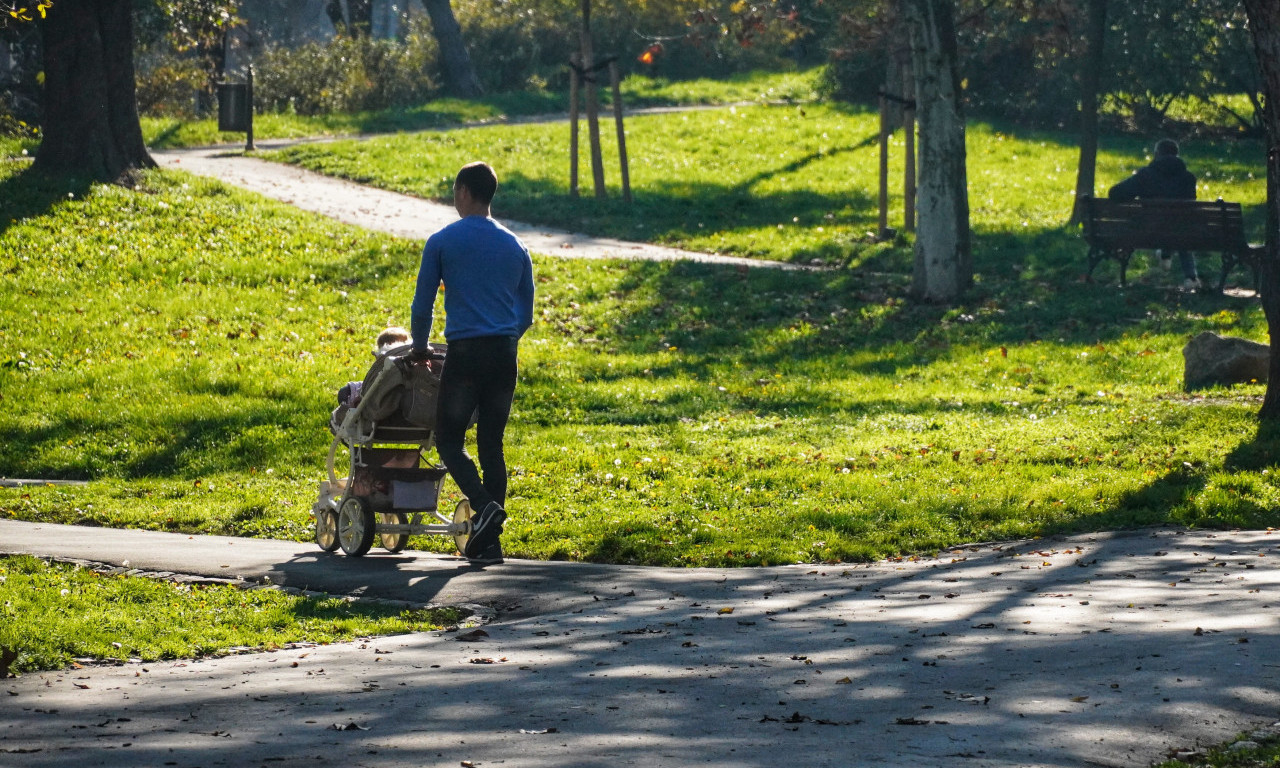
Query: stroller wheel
{"points": [[355, 526], [461, 514], [394, 542], [327, 529]]}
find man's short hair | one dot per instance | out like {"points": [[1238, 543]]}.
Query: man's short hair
{"points": [[480, 181], [1167, 147]]}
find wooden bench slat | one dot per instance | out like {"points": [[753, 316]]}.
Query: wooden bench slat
{"points": [[1116, 228]]}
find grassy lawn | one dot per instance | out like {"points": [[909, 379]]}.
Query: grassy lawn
{"points": [[53, 613], [179, 345], [794, 183]]}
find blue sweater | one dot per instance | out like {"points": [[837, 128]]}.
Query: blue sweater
{"points": [[488, 282]]}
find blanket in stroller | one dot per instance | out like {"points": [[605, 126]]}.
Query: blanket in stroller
{"points": [[394, 392]]}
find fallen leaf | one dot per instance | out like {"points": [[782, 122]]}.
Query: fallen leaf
{"points": [[725, 611]]}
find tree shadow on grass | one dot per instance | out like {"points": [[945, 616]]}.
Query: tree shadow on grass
{"points": [[180, 444], [31, 193], [1259, 453], [1029, 289]]}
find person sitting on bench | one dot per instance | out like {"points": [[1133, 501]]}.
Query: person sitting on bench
{"points": [[1166, 177]]}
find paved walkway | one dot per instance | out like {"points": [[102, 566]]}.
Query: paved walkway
{"points": [[1106, 650], [404, 215]]}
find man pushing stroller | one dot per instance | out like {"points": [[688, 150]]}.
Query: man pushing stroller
{"points": [[488, 302]]}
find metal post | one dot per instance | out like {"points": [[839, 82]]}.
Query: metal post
{"points": [[248, 143]]}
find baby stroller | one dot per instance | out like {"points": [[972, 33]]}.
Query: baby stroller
{"points": [[388, 494]]}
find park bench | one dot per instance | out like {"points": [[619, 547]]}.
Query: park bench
{"points": [[1114, 229]]}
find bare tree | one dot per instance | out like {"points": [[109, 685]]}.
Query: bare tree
{"points": [[458, 70], [1090, 85], [943, 267]]}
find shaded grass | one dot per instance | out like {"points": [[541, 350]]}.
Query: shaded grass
{"points": [[637, 92], [55, 613]]}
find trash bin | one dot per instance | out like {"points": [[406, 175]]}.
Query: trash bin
{"points": [[234, 109]]}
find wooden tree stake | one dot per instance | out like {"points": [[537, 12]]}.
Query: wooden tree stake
{"points": [[884, 167], [622, 135], [593, 103], [575, 63]]}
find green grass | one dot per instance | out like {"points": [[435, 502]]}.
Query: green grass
{"points": [[637, 92], [54, 613], [1265, 755], [795, 183], [179, 346]]}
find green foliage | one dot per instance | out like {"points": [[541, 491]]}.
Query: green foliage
{"points": [[179, 346], [525, 44], [346, 74], [178, 53], [171, 87], [1021, 61], [53, 613]]}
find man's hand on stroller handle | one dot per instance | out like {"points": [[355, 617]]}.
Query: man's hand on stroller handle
{"points": [[419, 357]]}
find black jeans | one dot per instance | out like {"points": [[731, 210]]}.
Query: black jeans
{"points": [[479, 378]]}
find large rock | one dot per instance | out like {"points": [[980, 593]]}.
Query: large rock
{"points": [[1212, 359]]}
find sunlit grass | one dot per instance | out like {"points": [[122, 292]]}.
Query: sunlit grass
{"points": [[179, 346], [781, 182], [637, 92], [53, 613]]}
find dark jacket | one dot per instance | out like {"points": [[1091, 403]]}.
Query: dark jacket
{"points": [[1166, 177]]}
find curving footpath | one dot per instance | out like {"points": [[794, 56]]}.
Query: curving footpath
{"points": [[404, 215], [1104, 649]]}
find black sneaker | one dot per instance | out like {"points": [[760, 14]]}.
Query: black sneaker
{"points": [[486, 527], [491, 556]]}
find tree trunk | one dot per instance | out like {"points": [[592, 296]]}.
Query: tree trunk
{"points": [[1090, 85], [91, 123], [337, 13], [361, 16], [1264, 22], [591, 94], [459, 72], [943, 269]]}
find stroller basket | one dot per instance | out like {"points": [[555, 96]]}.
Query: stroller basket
{"points": [[387, 492]]}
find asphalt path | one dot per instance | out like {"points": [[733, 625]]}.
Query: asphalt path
{"points": [[1105, 649]]}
